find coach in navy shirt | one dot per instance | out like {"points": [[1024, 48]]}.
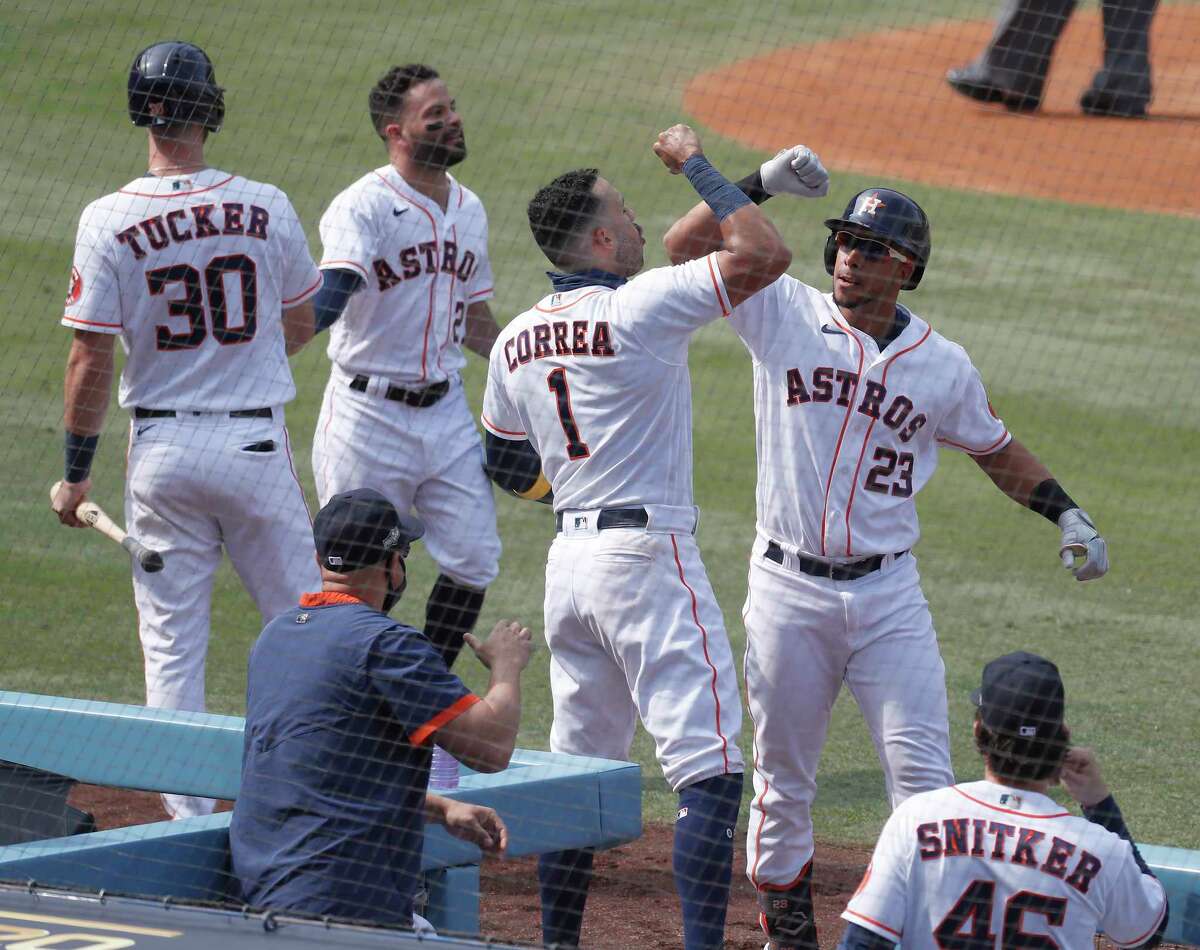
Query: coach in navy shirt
{"points": [[342, 706]]}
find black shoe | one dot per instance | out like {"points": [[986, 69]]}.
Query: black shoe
{"points": [[1098, 102], [787, 916], [973, 84]]}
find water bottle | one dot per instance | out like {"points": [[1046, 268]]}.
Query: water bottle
{"points": [[443, 770]]}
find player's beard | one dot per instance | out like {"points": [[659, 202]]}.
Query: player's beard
{"points": [[440, 154]]}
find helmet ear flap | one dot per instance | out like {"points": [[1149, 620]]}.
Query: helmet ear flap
{"points": [[917, 274], [830, 253]]}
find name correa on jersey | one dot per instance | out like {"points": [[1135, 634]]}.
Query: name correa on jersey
{"points": [[193, 223], [570, 338]]}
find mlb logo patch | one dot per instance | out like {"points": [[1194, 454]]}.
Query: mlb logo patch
{"points": [[302, 618], [1028, 732], [581, 521], [683, 813]]}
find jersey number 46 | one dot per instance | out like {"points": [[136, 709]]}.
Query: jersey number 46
{"points": [[968, 925]]}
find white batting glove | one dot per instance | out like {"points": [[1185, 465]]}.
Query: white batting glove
{"points": [[1080, 539], [795, 171]]}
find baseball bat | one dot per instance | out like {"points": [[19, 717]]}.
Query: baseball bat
{"points": [[93, 515]]}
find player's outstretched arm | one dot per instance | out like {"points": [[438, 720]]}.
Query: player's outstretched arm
{"points": [[86, 387], [753, 254], [484, 736], [793, 171], [1019, 474]]}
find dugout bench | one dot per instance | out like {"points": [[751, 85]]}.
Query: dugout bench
{"points": [[549, 802]]}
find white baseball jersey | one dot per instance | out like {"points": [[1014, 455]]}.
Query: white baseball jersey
{"points": [[423, 267], [193, 271], [847, 436], [597, 380], [1005, 868]]}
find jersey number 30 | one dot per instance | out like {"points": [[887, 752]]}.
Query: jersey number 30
{"points": [[968, 925], [191, 303], [557, 383]]}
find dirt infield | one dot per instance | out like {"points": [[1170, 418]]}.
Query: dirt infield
{"points": [[632, 903], [877, 104]]}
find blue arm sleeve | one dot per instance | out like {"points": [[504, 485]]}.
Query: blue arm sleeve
{"points": [[1108, 815], [859, 938], [335, 293]]}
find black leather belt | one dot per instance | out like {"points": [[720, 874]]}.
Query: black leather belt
{"points": [[835, 572], [418, 398], [614, 518], [140, 413]]}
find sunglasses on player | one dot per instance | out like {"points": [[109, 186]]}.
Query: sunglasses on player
{"points": [[871, 250]]}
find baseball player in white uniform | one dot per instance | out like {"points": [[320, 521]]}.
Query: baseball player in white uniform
{"points": [[406, 284], [998, 863], [588, 406], [853, 396], [205, 277]]}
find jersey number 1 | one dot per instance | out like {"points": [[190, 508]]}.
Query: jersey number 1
{"points": [[557, 383]]}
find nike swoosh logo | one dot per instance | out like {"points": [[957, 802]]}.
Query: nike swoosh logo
{"points": [[398, 211], [144, 429], [826, 328]]}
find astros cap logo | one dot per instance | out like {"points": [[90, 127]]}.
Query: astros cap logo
{"points": [[868, 203]]}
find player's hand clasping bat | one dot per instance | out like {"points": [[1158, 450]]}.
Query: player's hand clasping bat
{"points": [[92, 514]]}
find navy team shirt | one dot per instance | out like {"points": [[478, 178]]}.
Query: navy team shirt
{"points": [[341, 703]]}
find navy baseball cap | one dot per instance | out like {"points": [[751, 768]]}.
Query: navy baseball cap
{"points": [[359, 528], [1021, 695]]}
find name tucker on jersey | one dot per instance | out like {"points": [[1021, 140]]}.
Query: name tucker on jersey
{"points": [[1003, 842], [834, 385], [559, 338], [195, 222]]}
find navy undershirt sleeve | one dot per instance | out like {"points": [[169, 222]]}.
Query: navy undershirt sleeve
{"points": [[335, 293], [859, 938]]}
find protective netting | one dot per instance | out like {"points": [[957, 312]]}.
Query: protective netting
{"points": [[580, 326]]}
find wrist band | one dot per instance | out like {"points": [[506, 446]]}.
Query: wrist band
{"points": [[1050, 501], [537, 491], [718, 192], [79, 450], [752, 187]]}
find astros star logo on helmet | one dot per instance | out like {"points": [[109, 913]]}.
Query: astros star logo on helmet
{"points": [[870, 203]]}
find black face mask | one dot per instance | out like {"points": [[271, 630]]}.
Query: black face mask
{"points": [[394, 593]]}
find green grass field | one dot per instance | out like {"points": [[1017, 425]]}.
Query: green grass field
{"points": [[1078, 318]]}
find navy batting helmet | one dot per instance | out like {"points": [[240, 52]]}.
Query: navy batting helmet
{"points": [[889, 217], [173, 82]]}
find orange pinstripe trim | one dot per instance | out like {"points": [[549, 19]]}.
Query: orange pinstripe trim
{"points": [[1007, 811], [766, 784], [790, 884], [480, 293], [287, 445], [432, 283], [842, 433], [419, 735], [867, 437], [178, 194], [496, 429], [707, 658], [712, 268], [970, 451], [873, 922], [450, 305], [567, 306], [90, 323], [332, 265], [308, 292]]}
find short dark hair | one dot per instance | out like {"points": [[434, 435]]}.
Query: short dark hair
{"points": [[561, 210], [386, 100], [1022, 759]]}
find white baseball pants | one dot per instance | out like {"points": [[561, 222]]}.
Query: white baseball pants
{"points": [[195, 485], [423, 459], [805, 636], [634, 630]]}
